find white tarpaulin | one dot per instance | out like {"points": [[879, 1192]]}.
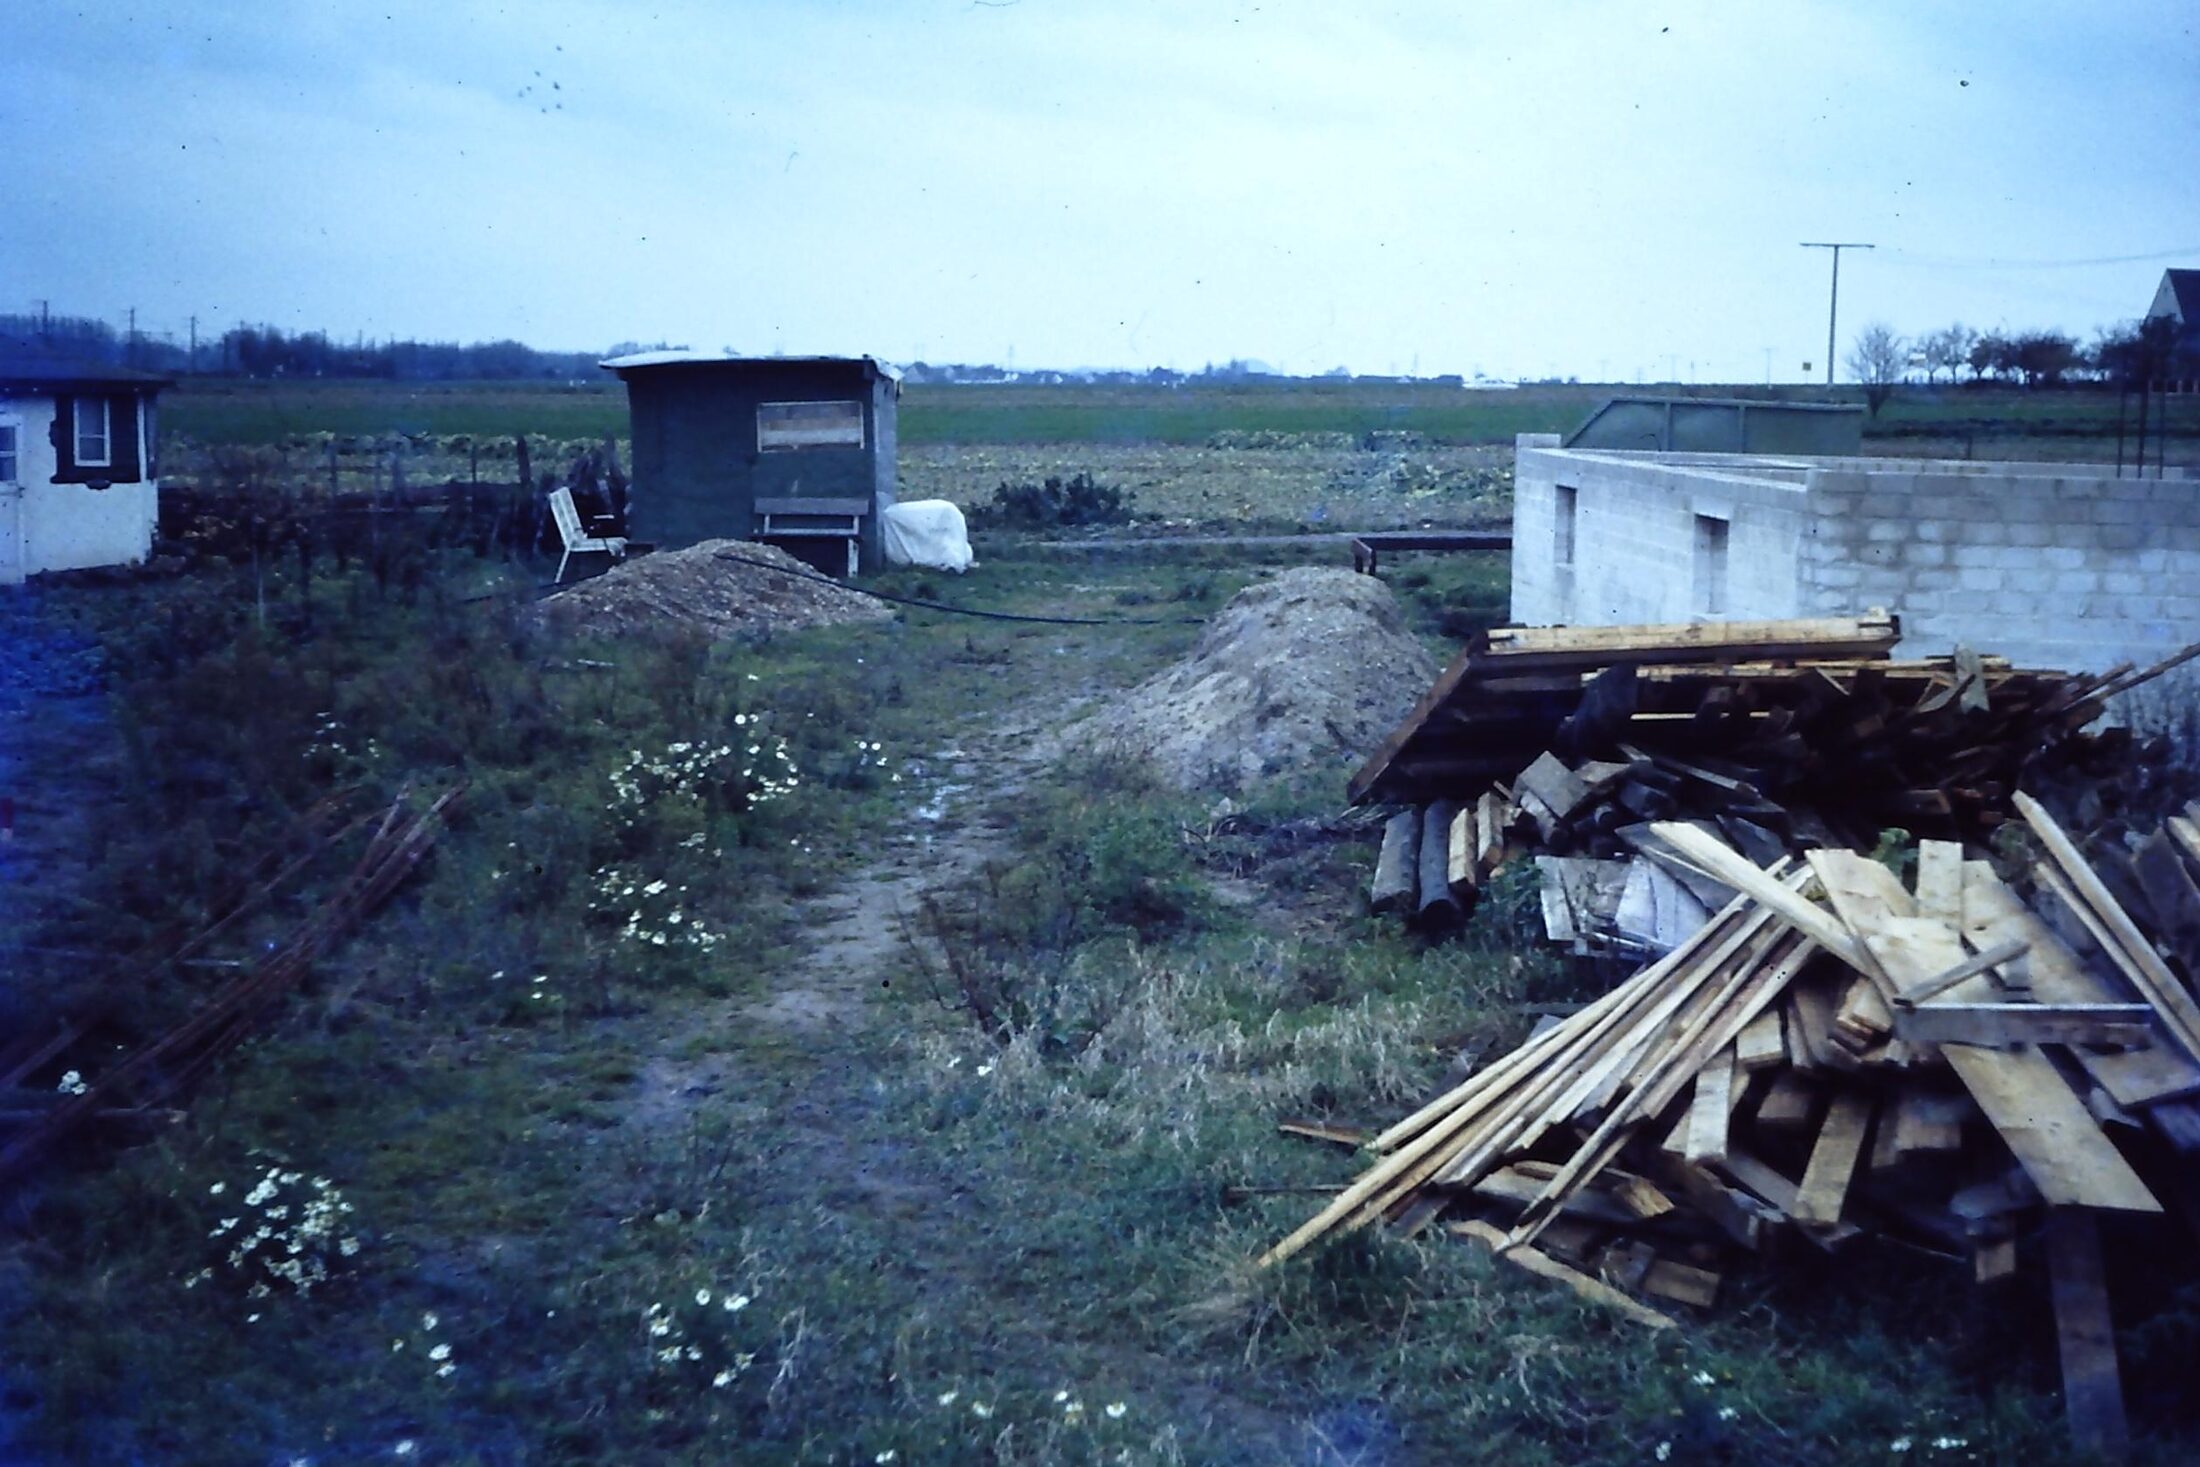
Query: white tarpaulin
{"points": [[926, 532]]}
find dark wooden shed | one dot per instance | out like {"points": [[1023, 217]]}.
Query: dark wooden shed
{"points": [[795, 450]]}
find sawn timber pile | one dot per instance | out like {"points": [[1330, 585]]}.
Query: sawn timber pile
{"points": [[1779, 737], [1834, 1054]]}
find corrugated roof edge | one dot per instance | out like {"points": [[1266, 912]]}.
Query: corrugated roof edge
{"points": [[644, 359]]}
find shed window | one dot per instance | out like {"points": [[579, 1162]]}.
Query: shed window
{"points": [[8, 466], [783, 425], [1711, 537], [93, 443]]}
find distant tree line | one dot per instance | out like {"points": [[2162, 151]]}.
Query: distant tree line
{"points": [[269, 351]]}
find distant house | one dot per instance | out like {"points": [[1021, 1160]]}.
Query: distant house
{"points": [[77, 477], [795, 450], [2177, 300]]}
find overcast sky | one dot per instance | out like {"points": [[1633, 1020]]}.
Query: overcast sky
{"points": [[1601, 189]]}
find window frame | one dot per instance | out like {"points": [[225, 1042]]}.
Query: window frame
{"points": [[12, 454], [861, 441], [106, 458]]}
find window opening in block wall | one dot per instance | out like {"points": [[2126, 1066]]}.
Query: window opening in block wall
{"points": [[1562, 540], [8, 453], [1711, 541]]}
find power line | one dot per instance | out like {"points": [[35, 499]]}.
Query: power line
{"points": [[1833, 307], [1943, 262]]}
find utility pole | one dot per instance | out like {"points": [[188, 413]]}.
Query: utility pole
{"points": [[1833, 308], [45, 318], [194, 359], [129, 343]]}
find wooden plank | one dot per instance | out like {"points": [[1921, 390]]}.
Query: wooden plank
{"points": [[1683, 1283], [1549, 780], [1462, 871], [1489, 830], [1788, 1106], [1763, 1043], [1992, 912], [1927, 1122], [1940, 881], [2156, 984], [1825, 638], [1709, 1110], [1351, 1136], [2093, 1393], [1978, 963], [1544, 1266], [2006, 1025], [2044, 1124], [2169, 888], [1397, 865], [1724, 863], [1825, 1186]]}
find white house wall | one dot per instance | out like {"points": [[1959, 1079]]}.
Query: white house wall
{"points": [[2055, 565], [46, 526]]}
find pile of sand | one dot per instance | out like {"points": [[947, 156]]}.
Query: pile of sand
{"points": [[720, 588], [1308, 670]]}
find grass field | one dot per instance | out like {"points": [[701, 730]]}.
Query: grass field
{"points": [[225, 412], [1008, 1237]]}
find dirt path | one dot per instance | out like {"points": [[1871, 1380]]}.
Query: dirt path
{"points": [[820, 1119]]}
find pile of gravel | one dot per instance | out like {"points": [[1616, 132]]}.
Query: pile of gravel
{"points": [[720, 588], [1308, 670]]}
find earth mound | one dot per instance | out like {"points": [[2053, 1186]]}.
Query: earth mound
{"points": [[1307, 670], [720, 588]]}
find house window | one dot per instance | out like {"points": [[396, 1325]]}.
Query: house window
{"points": [[93, 440], [1711, 538], [8, 466], [784, 425], [1562, 536]]}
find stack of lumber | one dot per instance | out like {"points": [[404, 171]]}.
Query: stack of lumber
{"points": [[1572, 743], [1833, 1054]]}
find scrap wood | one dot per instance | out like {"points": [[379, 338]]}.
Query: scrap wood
{"points": [[1544, 1266], [161, 1069]]}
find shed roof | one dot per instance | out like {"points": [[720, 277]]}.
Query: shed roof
{"points": [[645, 360], [34, 362]]}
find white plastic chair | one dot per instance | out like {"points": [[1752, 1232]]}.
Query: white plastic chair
{"points": [[577, 539]]}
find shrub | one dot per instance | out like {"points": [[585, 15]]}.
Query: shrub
{"points": [[1057, 503]]}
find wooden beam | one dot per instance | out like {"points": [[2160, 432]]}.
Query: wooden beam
{"points": [[1971, 967], [1761, 1045], [2156, 984], [1825, 1187], [1436, 904], [1397, 866], [1709, 1110], [1724, 863], [2093, 1393], [1542, 1265], [2006, 1025]]}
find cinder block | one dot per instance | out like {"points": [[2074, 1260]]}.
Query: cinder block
{"points": [[1973, 555], [1924, 552], [2123, 582], [2123, 511], [1979, 578], [2028, 533], [2120, 537], [1934, 532], [2075, 582], [1933, 580], [2061, 557], [1886, 530]]}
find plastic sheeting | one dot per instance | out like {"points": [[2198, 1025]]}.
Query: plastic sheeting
{"points": [[926, 532]]}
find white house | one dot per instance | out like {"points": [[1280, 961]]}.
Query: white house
{"points": [[77, 477]]}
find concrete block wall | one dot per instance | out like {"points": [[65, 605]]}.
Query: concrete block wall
{"points": [[1635, 539], [2057, 565], [2051, 565]]}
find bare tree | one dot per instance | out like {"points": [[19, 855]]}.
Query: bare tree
{"points": [[1945, 350], [1877, 361]]}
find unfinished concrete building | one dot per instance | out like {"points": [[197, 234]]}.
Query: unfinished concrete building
{"points": [[2059, 565]]}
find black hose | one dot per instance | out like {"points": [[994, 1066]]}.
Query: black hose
{"points": [[1060, 621]]}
